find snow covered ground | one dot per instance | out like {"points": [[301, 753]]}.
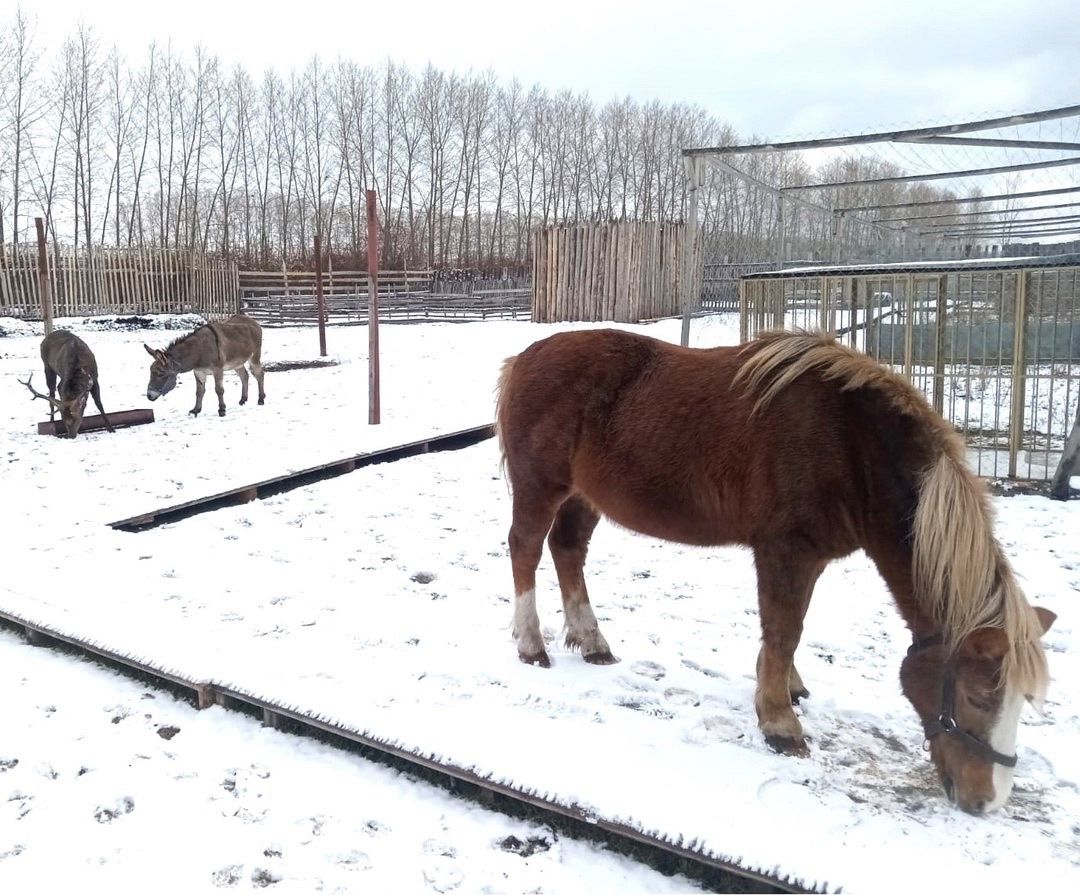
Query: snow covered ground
{"points": [[109, 786], [382, 600]]}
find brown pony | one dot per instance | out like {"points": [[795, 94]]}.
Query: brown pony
{"points": [[804, 451]]}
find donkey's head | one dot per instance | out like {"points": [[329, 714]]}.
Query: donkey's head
{"points": [[969, 700], [163, 373]]}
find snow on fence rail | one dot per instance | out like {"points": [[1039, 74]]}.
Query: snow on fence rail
{"points": [[995, 346]]}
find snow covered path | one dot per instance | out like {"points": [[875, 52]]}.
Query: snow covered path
{"points": [[381, 600]]}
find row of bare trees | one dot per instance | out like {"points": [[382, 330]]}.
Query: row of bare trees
{"points": [[176, 149]]}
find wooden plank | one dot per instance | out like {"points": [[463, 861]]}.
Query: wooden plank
{"points": [[120, 419]]}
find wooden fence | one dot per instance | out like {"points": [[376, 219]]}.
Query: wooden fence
{"points": [[117, 281], [287, 298], [625, 271]]}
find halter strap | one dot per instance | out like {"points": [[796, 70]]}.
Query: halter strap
{"points": [[945, 721]]}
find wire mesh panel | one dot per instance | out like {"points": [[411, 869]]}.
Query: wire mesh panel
{"points": [[995, 351]]}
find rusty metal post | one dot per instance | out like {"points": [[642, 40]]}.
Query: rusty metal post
{"points": [[319, 299], [44, 291], [1019, 371], [374, 410], [939, 342]]}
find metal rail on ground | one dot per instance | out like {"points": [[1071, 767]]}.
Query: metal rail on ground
{"points": [[717, 873], [451, 441]]}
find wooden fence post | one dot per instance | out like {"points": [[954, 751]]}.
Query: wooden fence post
{"points": [[320, 301], [373, 310], [43, 277]]}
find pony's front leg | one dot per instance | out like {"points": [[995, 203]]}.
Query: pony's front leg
{"points": [[786, 578], [219, 387], [200, 389]]}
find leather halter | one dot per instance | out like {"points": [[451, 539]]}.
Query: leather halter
{"points": [[945, 722]]}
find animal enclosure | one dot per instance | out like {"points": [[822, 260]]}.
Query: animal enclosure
{"points": [[626, 271], [994, 345]]}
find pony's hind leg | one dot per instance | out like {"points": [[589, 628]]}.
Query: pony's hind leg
{"points": [[243, 374], [569, 543], [786, 577], [533, 512]]}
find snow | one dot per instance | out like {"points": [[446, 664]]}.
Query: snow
{"points": [[381, 600]]}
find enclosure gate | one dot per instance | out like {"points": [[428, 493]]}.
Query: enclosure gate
{"points": [[996, 349]]}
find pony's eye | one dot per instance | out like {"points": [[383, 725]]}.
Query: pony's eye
{"points": [[983, 705]]}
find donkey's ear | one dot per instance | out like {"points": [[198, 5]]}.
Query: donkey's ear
{"points": [[150, 351], [1046, 618], [985, 643]]}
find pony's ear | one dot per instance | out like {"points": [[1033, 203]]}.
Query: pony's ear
{"points": [[150, 351], [985, 643], [1046, 618]]}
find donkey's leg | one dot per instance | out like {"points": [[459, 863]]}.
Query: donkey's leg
{"points": [[243, 374], [50, 381], [255, 363], [200, 388], [95, 393], [786, 575], [219, 387], [533, 512], [569, 543]]}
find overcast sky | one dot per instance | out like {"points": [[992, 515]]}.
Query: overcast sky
{"points": [[777, 68]]}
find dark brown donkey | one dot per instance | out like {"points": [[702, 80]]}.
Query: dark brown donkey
{"points": [[212, 348], [804, 451], [70, 364]]}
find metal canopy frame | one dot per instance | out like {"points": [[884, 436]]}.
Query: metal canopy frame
{"points": [[900, 219]]}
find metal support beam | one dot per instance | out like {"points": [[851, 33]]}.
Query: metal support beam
{"points": [[695, 179], [1024, 209], [894, 136], [986, 141], [1019, 224], [926, 203], [940, 175]]}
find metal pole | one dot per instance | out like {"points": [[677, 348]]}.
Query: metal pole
{"points": [[43, 277], [320, 301], [373, 310], [1019, 369], [689, 255]]}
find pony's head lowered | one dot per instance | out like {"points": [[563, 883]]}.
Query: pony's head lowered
{"points": [[978, 657]]}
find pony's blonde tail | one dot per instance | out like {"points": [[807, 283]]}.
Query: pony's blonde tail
{"points": [[501, 397], [958, 564]]}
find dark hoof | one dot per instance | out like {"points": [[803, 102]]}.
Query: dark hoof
{"points": [[796, 695], [221, 411], [243, 401], [604, 658], [796, 748], [262, 401], [540, 659], [193, 413]]}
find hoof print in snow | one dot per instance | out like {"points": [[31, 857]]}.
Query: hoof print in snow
{"points": [[261, 878], [228, 876], [423, 577], [440, 849], [105, 815], [443, 879], [13, 852], [167, 732], [6, 764], [354, 860], [679, 696], [649, 669], [526, 849]]}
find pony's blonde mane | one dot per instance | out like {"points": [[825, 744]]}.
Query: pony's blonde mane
{"points": [[962, 579]]}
